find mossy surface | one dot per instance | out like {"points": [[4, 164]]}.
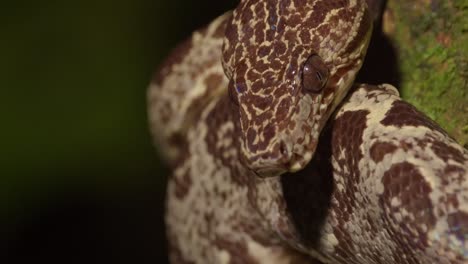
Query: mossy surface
{"points": [[431, 38]]}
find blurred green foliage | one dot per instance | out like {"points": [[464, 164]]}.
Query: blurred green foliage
{"points": [[433, 59]]}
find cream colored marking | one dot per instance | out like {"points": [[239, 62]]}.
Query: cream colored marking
{"points": [[186, 215], [224, 257]]}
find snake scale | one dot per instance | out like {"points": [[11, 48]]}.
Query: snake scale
{"points": [[278, 157]]}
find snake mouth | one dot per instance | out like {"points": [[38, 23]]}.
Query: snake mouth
{"points": [[296, 163], [284, 161]]}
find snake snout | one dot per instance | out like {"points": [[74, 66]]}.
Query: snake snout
{"points": [[276, 162], [284, 153]]}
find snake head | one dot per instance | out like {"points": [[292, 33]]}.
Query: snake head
{"points": [[290, 62]]}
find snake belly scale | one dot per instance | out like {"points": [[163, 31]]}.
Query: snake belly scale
{"points": [[240, 112]]}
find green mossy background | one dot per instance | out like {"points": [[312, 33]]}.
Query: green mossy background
{"points": [[431, 38], [79, 179]]}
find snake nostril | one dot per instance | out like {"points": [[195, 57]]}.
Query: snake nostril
{"points": [[284, 152]]}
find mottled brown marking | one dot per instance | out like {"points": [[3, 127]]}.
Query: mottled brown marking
{"points": [[366, 23], [446, 152], [213, 81], [458, 224], [347, 133], [454, 174], [283, 107], [404, 182], [403, 114], [379, 149], [182, 183]]}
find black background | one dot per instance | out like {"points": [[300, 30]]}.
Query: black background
{"points": [[79, 179]]}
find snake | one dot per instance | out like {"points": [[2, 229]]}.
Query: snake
{"points": [[278, 156]]}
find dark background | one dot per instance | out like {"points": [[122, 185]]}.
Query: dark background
{"points": [[79, 179]]}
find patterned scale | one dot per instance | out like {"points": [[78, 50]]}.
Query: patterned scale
{"points": [[240, 112]]}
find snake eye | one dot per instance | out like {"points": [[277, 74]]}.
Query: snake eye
{"points": [[233, 93], [314, 74]]}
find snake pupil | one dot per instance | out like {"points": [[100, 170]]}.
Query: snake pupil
{"points": [[319, 76]]}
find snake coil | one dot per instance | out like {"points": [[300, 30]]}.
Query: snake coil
{"points": [[278, 158]]}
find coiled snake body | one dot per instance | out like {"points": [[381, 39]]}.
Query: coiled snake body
{"points": [[240, 111]]}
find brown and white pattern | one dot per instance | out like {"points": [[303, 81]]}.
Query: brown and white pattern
{"points": [[386, 185], [249, 95], [268, 45], [190, 77]]}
